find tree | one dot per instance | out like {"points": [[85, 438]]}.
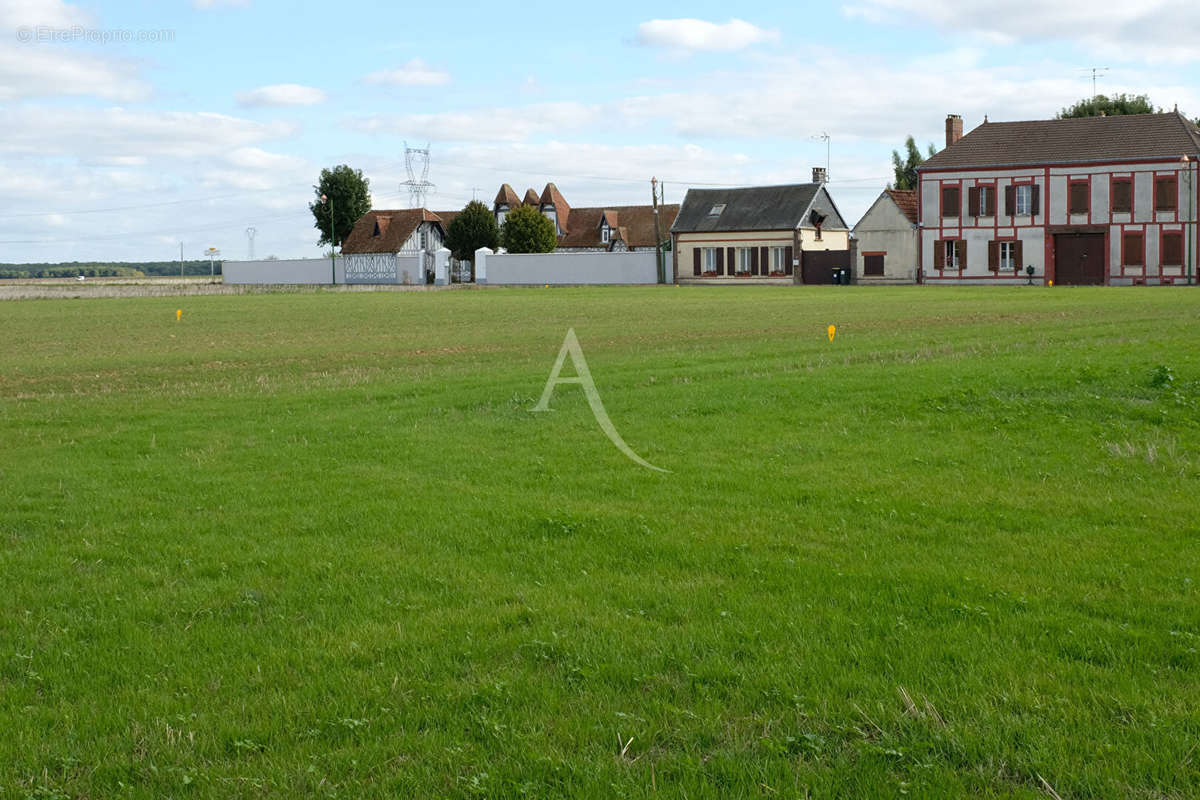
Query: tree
{"points": [[473, 228], [349, 197], [527, 230], [906, 169], [1115, 106]]}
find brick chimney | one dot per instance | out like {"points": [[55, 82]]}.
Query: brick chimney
{"points": [[953, 128], [819, 175]]}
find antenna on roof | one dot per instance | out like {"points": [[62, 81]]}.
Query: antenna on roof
{"points": [[416, 159], [1096, 72], [825, 137]]}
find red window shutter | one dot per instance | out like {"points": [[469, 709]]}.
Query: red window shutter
{"points": [[973, 201], [720, 260], [1078, 198], [994, 256], [960, 250], [1134, 249], [787, 260], [939, 253], [696, 261], [1172, 249], [1010, 200], [1035, 200], [1018, 256], [1166, 193]]}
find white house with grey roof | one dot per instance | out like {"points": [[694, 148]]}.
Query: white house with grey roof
{"points": [[754, 231]]}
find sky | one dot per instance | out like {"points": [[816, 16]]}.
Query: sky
{"points": [[132, 127]]}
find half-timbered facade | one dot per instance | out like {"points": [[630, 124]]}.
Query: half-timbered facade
{"points": [[591, 228], [1097, 200]]}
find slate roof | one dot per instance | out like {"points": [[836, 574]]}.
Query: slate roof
{"points": [[751, 208], [394, 229], [906, 201], [1057, 141]]}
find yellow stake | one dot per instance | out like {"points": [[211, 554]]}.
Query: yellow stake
{"points": [[832, 332], [178, 314]]}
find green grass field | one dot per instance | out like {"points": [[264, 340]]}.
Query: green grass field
{"points": [[317, 545]]}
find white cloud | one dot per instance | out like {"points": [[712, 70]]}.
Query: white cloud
{"points": [[110, 133], [50, 13], [1156, 30], [47, 71], [697, 35], [282, 94], [512, 124], [415, 73]]}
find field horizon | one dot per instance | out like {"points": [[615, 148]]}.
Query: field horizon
{"points": [[317, 544]]}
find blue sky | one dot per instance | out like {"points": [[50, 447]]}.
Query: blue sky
{"points": [[133, 126]]}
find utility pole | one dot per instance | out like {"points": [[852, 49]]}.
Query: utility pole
{"points": [[659, 261], [181, 259], [212, 252], [1191, 195]]}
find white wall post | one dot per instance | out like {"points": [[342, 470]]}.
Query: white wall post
{"points": [[481, 264], [441, 267]]}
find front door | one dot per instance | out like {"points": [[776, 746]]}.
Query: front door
{"points": [[1079, 259]]}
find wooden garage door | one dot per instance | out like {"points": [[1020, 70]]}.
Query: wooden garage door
{"points": [[1079, 259]]}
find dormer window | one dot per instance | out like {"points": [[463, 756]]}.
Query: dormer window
{"points": [[605, 232], [716, 210]]}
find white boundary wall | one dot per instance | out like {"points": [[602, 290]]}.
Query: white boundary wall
{"points": [[299, 270], [638, 267]]}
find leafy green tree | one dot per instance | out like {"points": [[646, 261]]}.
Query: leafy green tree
{"points": [[905, 169], [473, 228], [1115, 106], [349, 197], [527, 230]]}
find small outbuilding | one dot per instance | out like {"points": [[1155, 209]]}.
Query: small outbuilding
{"points": [[885, 244]]}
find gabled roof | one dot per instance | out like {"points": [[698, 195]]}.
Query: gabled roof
{"points": [[750, 208], [906, 201], [636, 228], [446, 217], [531, 197], [394, 230], [1134, 137], [506, 197]]}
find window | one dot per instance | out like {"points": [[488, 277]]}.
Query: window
{"points": [[778, 260], [1172, 249], [1079, 199], [1008, 255], [981, 201], [952, 254], [710, 259], [1122, 195], [1024, 200], [873, 264], [604, 233], [1166, 193], [951, 199], [743, 260], [716, 210], [1133, 249], [424, 238]]}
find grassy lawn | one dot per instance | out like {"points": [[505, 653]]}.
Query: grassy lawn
{"points": [[317, 545]]}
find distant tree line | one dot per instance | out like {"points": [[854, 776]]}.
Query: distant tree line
{"points": [[106, 269]]}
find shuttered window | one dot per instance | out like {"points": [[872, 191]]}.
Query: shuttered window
{"points": [[743, 260], [1024, 200], [1079, 197], [1172, 249], [951, 200], [873, 264], [1122, 195], [951, 254], [1133, 249], [1166, 193]]}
